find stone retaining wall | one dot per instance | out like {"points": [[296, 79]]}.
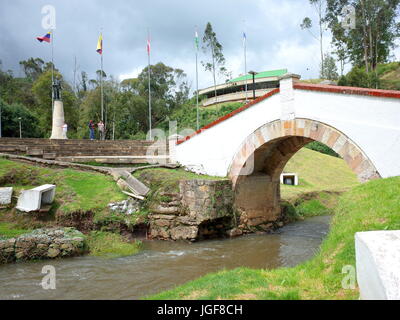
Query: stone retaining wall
{"points": [[201, 209], [42, 244]]}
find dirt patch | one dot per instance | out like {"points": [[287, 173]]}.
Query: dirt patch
{"points": [[196, 294], [331, 258], [31, 220], [245, 296], [129, 232], [80, 220], [326, 200], [21, 176]]}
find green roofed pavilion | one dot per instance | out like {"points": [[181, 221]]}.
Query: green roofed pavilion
{"points": [[235, 89], [263, 74]]}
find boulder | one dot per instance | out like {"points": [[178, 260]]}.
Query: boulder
{"points": [[235, 232], [184, 233], [52, 253]]}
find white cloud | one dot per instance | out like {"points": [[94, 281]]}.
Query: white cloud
{"points": [[133, 74]]}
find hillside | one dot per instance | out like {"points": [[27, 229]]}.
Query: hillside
{"points": [[317, 172], [186, 115], [388, 74]]}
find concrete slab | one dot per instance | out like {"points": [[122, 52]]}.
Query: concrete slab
{"points": [[5, 195], [33, 199], [134, 184], [378, 264]]}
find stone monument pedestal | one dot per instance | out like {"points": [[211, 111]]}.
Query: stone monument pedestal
{"points": [[58, 121]]}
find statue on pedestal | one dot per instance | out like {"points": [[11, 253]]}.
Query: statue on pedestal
{"points": [[59, 128], [57, 89]]}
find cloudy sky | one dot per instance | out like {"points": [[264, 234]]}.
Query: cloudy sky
{"points": [[274, 38]]}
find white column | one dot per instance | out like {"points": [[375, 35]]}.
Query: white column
{"points": [[287, 96], [172, 139], [58, 121]]}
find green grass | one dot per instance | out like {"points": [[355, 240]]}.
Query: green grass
{"points": [[371, 206], [388, 73], [186, 115], [311, 208], [76, 190], [312, 81], [317, 172], [390, 76], [9, 230], [168, 179], [225, 105], [113, 165], [92, 191], [110, 245]]}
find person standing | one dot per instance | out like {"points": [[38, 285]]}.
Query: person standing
{"points": [[91, 130], [100, 127], [64, 130]]}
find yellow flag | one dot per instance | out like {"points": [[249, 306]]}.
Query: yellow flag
{"points": [[100, 44]]}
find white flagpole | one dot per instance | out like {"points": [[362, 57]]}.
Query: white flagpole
{"points": [[52, 70], [148, 70], [101, 87], [101, 80], [245, 62], [0, 119], [197, 80]]}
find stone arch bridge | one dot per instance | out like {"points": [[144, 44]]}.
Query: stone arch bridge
{"points": [[253, 144]]}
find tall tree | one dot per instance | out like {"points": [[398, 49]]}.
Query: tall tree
{"points": [[10, 115], [329, 69], [211, 44], [339, 44], [33, 67], [319, 6], [376, 29]]}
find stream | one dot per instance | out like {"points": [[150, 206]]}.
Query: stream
{"points": [[161, 265]]}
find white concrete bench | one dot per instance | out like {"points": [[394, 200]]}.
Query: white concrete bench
{"points": [[33, 199], [5, 195], [378, 264]]}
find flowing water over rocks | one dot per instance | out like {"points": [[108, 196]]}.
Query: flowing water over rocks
{"points": [[162, 265]]}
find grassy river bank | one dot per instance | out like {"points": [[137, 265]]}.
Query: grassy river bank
{"points": [[371, 206]]}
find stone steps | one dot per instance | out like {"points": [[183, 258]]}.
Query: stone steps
{"points": [[73, 150], [112, 159], [71, 141], [79, 150]]}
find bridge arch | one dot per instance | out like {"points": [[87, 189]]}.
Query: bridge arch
{"points": [[256, 167]]}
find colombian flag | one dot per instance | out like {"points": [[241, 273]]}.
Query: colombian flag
{"points": [[45, 38], [100, 44]]}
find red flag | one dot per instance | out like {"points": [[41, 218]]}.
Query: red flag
{"points": [[148, 46]]}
